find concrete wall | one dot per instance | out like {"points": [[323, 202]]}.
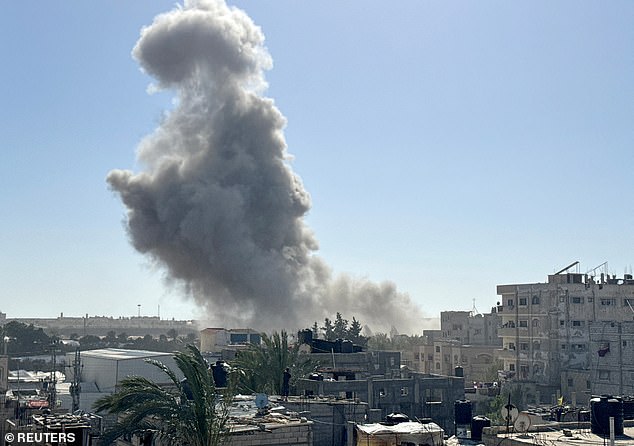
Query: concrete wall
{"points": [[330, 418], [292, 434]]}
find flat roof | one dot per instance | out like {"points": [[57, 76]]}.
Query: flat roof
{"points": [[579, 437], [122, 354]]}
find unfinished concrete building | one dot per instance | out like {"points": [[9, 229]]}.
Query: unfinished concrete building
{"points": [[415, 395], [611, 358], [545, 331], [466, 340]]}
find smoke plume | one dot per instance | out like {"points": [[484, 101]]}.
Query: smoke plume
{"points": [[217, 205]]}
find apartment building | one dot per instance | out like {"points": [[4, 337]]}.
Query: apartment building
{"points": [[612, 357], [466, 340], [545, 331]]}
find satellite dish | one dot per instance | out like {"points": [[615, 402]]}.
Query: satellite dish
{"points": [[261, 400], [509, 412], [522, 422]]}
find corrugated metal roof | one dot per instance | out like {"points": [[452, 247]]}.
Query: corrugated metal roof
{"points": [[119, 354]]}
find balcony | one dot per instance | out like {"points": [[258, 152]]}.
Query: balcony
{"points": [[506, 354], [512, 331]]}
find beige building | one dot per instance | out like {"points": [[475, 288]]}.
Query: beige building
{"points": [[465, 340], [218, 340], [545, 331]]}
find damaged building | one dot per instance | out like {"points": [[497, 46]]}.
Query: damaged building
{"points": [[557, 335]]}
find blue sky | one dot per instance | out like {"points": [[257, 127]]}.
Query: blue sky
{"points": [[447, 146]]}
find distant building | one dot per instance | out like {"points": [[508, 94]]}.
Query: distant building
{"points": [[223, 343], [101, 325], [466, 340]]}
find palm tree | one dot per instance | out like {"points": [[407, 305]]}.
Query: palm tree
{"points": [[262, 366], [189, 412]]}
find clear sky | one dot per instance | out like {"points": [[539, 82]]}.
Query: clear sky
{"points": [[447, 146]]}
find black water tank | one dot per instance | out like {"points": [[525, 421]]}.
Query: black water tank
{"points": [[601, 409], [396, 418], [628, 408], [305, 336], [477, 425], [462, 411], [346, 346]]}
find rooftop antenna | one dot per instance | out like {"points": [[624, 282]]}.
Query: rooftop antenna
{"points": [[567, 268], [139, 305], [603, 267], [474, 310]]}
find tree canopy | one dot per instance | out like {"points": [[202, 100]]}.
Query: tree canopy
{"points": [[188, 412], [261, 367]]}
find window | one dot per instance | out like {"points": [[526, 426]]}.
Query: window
{"points": [[535, 323], [382, 393], [437, 366], [570, 383], [577, 323], [523, 346], [512, 367], [239, 338], [628, 303], [624, 343], [588, 385], [563, 346], [577, 300], [562, 323], [438, 349], [606, 302], [509, 302], [524, 324], [536, 345], [604, 375], [511, 345], [523, 301], [430, 357], [404, 391], [535, 300]]}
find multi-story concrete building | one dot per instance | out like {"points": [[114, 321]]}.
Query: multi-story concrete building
{"points": [[611, 358], [465, 340], [545, 331]]}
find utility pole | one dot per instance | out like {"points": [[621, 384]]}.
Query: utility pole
{"points": [[75, 386]]}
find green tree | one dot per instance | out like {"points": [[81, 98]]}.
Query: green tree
{"points": [[341, 327], [329, 330], [380, 341], [261, 367], [354, 333], [190, 412], [25, 339], [172, 333], [315, 330]]}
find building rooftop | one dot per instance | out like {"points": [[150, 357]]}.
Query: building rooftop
{"points": [[556, 437], [122, 354]]}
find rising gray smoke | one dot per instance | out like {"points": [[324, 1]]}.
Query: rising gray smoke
{"points": [[218, 205]]}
